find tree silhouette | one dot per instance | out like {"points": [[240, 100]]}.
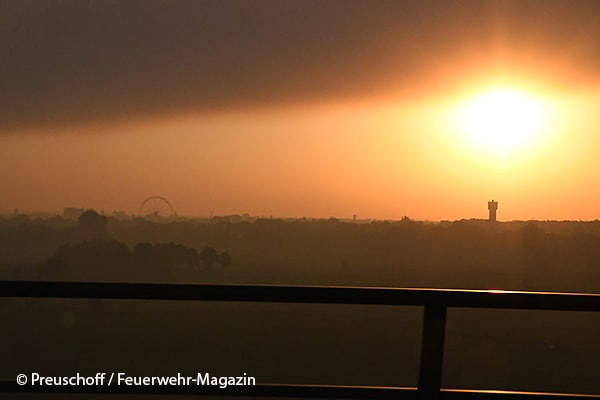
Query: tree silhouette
{"points": [[208, 256], [92, 225], [143, 255], [225, 260], [91, 259], [164, 255]]}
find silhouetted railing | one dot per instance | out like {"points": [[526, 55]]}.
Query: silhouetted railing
{"points": [[435, 301]]}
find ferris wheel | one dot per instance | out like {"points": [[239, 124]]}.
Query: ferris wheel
{"points": [[156, 207]]}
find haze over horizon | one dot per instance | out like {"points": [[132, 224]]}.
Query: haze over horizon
{"points": [[292, 109]]}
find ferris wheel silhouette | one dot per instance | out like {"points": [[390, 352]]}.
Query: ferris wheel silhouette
{"points": [[156, 207]]}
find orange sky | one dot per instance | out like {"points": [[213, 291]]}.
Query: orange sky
{"points": [[319, 145], [373, 159]]}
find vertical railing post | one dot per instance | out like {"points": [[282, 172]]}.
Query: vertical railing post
{"points": [[432, 352]]}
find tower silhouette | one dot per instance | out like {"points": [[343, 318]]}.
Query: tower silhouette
{"points": [[492, 207]]}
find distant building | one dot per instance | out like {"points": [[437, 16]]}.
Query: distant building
{"points": [[72, 212], [492, 207]]}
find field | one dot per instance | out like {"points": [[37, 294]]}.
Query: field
{"points": [[321, 344]]}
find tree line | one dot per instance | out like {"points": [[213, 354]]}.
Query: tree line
{"points": [[520, 255], [112, 259]]}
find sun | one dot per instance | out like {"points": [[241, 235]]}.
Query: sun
{"points": [[501, 122]]}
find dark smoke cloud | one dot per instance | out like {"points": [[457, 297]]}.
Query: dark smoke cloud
{"points": [[77, 62]]}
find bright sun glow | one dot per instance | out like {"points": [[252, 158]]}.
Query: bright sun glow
{"points": [[502, 121]]}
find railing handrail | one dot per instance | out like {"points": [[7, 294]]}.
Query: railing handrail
{"points": [[435, 301], [306, 391], [522, 300]]}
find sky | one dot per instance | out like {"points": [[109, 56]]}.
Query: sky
{"points": [[301, 108]]}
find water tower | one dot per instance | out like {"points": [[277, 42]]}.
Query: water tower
{"points": [[492, 207]]}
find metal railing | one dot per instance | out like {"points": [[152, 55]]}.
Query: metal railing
{"points": [[435, 303]]}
